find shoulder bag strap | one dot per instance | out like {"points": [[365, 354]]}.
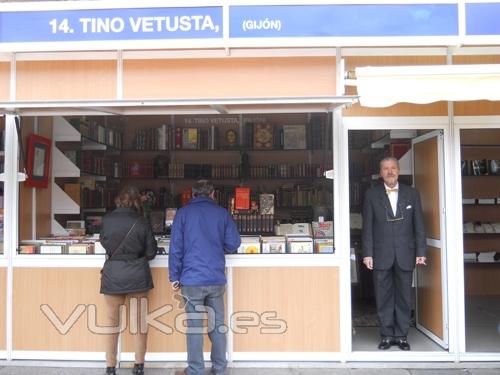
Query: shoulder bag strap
{"points": [[123, 240]]}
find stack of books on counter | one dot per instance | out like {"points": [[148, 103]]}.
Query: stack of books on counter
{"points": [[58, 245], [323, 237], [249, 245], [298, 237]]}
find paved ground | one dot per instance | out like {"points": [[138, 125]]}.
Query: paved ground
{"points": [[33, 370]]}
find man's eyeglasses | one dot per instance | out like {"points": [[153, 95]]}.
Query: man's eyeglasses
{"points": [[396, 217]]}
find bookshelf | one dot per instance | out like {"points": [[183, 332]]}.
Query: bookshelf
{"points": [[81, 168], [480, 155], [95, 156]]}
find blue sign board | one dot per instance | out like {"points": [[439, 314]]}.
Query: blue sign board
{"points": [[248, 21], [347, 20], [111, 24], [482, 18]]}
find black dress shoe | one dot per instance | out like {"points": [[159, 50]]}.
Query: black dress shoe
{"points": [[138, 369], [385, 343], [403, 344], [110, 371]]}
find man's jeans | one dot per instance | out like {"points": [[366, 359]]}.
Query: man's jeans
{"points": [[205, 303]]}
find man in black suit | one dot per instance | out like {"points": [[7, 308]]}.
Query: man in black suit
{"points": [[393, 242]]}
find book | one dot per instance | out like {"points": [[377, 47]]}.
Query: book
{"points": [[75, 224], [242, 198], [78, 248], [479, 167], [266, 204], [299, 244], [170, 216], [52, 248], [29, 247], [273, 245], [73, 190], [263, 136], [190, 138], [486, 201], [294, 137], [301, 229], [322, 229], [323, 246], [157, 220], [249, 245]]}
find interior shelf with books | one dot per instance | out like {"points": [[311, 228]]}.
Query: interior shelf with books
{"points": [[480, 155], [279, 159], [81, 168]]}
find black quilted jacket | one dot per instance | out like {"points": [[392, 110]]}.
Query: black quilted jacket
{"points": [[117, 278]]}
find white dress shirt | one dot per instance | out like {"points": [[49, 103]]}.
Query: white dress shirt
{"points": [[393, 197]]}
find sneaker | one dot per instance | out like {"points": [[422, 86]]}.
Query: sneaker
{"points": [[110, 371], [138, 369]]}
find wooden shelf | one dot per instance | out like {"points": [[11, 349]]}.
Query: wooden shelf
{"points": [[478, 242]]}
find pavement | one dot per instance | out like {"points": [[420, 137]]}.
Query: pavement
{"points": [[380, 369]]}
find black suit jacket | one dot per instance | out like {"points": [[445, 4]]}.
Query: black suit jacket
{"points": [[388, 240]]}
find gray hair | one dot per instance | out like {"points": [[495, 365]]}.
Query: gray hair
{"points": [[388, 158], [202, 188]]}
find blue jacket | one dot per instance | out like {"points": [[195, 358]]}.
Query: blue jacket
{"points": [[201, 233]]}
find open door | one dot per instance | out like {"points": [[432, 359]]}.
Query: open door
{"points": [[428, 170]]}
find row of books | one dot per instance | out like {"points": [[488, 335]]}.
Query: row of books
{"points": [[95, 163], [283, 170], [481, 200], [291, 244], [214, 172], [147, 168], [254, 222], [481, 227], [258, 136], [59, 245], [98, 197], [482, 257], [153, 139], [91, 129], [298, 196], [317, 134], [481, 167]]}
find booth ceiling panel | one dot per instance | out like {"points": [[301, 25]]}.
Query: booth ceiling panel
{"points": [[177, 107]]}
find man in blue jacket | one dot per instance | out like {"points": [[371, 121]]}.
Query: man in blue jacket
{"points": [[201, 234]]}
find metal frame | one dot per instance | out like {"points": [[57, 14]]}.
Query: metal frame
{"points": [[441, 244], [425, 123]]}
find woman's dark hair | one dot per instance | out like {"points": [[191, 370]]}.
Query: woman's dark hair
{"points": [[129, 197], [202, 188]]}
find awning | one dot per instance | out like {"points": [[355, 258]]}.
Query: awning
{"points": [[386, 86], [177, 106]]}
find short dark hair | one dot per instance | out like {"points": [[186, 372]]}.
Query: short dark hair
{"points": [[128, 197], [202, 188]]}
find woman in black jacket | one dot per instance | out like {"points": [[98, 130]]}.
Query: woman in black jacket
{"points": [[130, 244]]}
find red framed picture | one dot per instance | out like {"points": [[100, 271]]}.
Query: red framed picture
{"points": [[38, 161]]}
